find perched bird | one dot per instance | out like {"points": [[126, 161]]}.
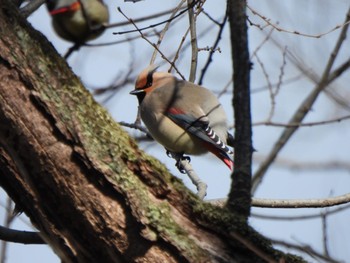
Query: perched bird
{"points": [[78, 20], [182, 116]]}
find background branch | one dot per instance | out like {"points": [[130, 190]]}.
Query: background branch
{"points": [[301, 111]]}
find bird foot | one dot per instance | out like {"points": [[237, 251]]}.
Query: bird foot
{"points": [[179, 164], [179, 157]]}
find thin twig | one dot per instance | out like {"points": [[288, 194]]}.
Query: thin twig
{"points": [[176, 56], [165, 29], [275, 26], [305, 249], [306, 124], [152, 44], [183, 46], [128, 40], [286, 81], [315, 78], [153, 25], [305, 165], [324, 235], [274, 93], [252, 247], [137, 127], [267, 37], [141, 19], [7, 222], [211, 53]]}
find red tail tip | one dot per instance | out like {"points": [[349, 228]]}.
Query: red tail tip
{"points": [[229, 163]]}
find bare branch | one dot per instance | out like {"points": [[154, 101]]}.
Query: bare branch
{"points": [[292, 203], [141, 19], [306, 124], [136, 126], [252, 247], [23, 237], [193, 33], [275, 26], [302, 110], [216, 43], [7, 222], [153, 25], [302, 217], [305, 249], [152, 44], [308, 165], [301, 203], [32, 5], [324, 235], [162, 33]]}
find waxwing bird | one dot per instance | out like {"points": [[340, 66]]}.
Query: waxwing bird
{"points": [[182, 116], [78, 20]]}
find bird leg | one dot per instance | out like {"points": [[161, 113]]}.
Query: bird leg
{"points": [[180, 158], [184, 166]]}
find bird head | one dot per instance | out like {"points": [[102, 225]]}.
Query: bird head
{"points": [[148, 80]]}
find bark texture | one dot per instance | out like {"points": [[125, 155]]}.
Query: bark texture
{"points": [[93, 195], [239, 199]]}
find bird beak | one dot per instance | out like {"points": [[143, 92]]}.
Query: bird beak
{"points": [[137, 91]]}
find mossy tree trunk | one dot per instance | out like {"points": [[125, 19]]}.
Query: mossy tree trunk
{"points": [[83, 182]]}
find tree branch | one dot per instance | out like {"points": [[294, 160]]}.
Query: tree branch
{"points": [[23, 237], [193, 34], [301, 217], [239, 197], [292, 203]]}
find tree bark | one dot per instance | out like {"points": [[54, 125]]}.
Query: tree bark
{"points": [[83, 182], [239, 199]]}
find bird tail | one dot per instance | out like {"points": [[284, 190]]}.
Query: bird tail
{"points": [[220, 149]]}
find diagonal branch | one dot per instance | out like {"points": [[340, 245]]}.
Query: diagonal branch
{"points": [[165, 29]]}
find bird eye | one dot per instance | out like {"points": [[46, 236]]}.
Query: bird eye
{"points": [[149, 82]]}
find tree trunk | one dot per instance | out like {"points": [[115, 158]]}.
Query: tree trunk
{"points": [[83, 182]]}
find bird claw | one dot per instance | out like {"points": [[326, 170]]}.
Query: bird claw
{"points": [[179, 157], [179, 164]]}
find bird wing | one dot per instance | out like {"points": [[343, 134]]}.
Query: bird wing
{"points": [[199, 127]]}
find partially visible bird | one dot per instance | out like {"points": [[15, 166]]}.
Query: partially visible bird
{"points": [[182, 116], [78, 20]]}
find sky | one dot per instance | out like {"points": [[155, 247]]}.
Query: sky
{"points": [[319, 145]]}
